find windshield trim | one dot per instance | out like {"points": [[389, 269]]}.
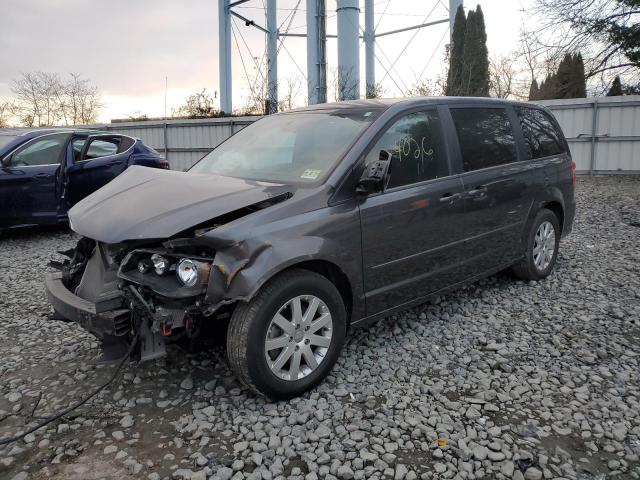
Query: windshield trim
{"points": [[339, 159]]}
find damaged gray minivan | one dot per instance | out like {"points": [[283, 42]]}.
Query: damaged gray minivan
{"points": [[308, 223]]}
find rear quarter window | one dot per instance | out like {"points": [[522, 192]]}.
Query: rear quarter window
{"points": [[486, 137], [542, 137]]}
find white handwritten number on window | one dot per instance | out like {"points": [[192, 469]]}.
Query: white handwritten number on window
{"points": [[409, 146]]}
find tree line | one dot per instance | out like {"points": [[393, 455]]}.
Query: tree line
{"points": [[45, 99]]}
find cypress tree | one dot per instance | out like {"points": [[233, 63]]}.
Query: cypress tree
{"points": [[565, 77], [579, 83], [456, 57], [534, 90], [616, 88], [542, 92], [475, 78]]}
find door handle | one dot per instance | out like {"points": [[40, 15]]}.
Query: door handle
{"points": [[449, 197], [479, 190], [43, 175]]}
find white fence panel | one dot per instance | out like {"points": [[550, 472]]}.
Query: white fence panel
{"points": [[182, 142], [603, 133]]}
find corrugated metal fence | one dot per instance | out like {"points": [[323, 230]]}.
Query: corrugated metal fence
{"points": [[182, 142], [603, 133]]}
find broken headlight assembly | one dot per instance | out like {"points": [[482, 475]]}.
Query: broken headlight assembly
{"points": [[168, 274]]}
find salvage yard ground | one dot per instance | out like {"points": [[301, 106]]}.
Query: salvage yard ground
{"points": [[501, 380]]}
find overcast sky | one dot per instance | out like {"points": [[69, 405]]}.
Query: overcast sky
{"points": [[128, 47]]}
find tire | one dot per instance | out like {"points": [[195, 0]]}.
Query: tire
{"points": [[253, 323], [531, 267]]}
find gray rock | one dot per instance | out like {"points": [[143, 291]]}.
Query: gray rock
{"points": [[187, 384], [532, 473], [480, 452], [400, 472]]}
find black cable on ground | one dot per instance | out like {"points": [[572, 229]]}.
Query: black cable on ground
{"points": [[48, 420]]}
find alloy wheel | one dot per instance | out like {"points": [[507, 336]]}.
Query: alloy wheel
{"points": [[544, 245], [298, 337]]}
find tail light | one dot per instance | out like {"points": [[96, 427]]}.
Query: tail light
{"points": [[162, 163], [573, 173]]}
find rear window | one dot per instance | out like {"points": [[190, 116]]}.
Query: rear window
{"points": [[485, 136], [541, 136]]}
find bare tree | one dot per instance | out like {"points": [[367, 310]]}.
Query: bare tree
{"points": [[423, 89], [42, 98], [377, 92], [501, 77], [82, 101], [539, 59], [7, 110], [605, 31], [292, 89], [198, 105]]}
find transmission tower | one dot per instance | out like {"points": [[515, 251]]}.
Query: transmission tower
{"points": [[349, 35]]}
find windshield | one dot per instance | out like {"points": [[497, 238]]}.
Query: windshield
{"points": [[6, 139], [289, 148]]}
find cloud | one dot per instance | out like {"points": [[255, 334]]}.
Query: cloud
{"points": [[122, 46]]}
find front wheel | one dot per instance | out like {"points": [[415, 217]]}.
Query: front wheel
{"points": [[541, 249], [288, 337]]}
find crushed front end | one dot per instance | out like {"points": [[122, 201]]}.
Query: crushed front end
{"points": [[152, 290]]}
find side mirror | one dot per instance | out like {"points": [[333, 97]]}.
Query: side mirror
{"points": [[374, 178], [6, 162]]}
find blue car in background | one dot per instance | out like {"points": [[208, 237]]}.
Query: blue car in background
{"points": [[44, 172]]}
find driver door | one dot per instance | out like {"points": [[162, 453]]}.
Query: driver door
{"points": [[412, 232], [29, 181]]}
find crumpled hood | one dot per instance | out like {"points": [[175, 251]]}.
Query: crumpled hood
{"points": [[149, 203]]}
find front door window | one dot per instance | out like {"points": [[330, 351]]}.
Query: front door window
{"points": [[46, 150]]}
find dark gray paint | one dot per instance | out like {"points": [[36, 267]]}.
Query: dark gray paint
{"points": [[394, 248]]}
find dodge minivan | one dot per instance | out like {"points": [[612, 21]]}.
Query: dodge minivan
{"points": [[311, 222]]}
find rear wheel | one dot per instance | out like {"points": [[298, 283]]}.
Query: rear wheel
{"points": [[541, 249], [288, 337]]}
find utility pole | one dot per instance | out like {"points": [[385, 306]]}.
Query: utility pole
{"points": [[348, 13], [369, 44], [313, 60], [322, 51], [224, 55], [272, 57], [316, 51], [348, 49]]}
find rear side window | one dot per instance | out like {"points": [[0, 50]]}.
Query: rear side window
{"points": [[417, 149], [541, 135], [485, 136]]}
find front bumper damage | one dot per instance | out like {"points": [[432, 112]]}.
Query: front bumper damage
{"points": [[115, 322], [110, 298]]}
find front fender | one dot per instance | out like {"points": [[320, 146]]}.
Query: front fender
{"points": [[241, 268]]}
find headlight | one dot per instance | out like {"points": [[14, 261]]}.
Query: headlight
{"points": [[160, 264], [187, 272], [144, 266]]}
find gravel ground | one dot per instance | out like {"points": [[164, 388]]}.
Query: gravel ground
{"points": [[501, 380]]}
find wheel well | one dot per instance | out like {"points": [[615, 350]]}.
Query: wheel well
{"points": [[556, 208], [335, 275]]}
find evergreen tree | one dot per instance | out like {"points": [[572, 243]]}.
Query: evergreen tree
{"points": [[564, 77], [475, 76], [578, 85], [616, 88], [456, 58], [568, 82], [534, 90], [542, 92]]}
